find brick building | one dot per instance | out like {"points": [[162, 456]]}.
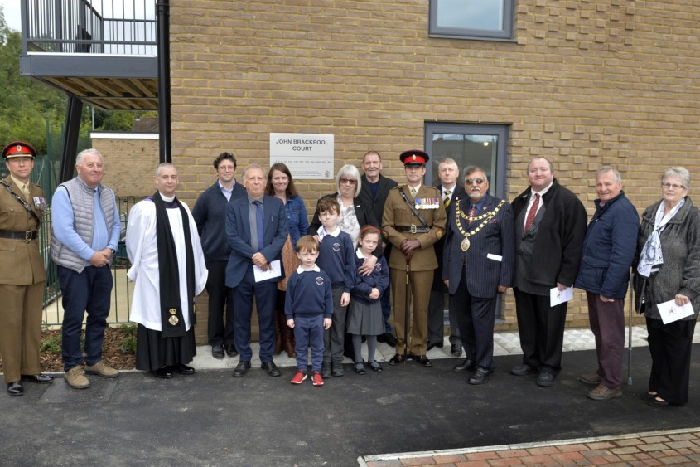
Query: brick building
{"points": [[583, 83]]}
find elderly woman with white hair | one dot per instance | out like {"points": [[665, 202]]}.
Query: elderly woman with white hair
{"points": [[356, 209], [668, 269]]}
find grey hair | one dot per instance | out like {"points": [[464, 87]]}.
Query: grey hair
{"points": [[448, 160], [164, 165], [680, 172], [372, 153], [349, 171], [609, 168], [252, 166], [81, 155], [551, 166], [470, 169]]}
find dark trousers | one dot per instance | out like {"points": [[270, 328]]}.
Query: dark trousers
{"points": [[90, 291], [220, 298], [334, 338], [476, 319], [608, 326], [436, 319], [670, 346], [385, 301], [308, 332], [265, 293], [541, 330]]}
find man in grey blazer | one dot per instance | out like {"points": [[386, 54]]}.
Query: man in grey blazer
{"points": [[478, 265], [256, 229]]}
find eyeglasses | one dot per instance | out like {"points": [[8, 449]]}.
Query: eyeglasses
{"points": [[478, 181], [670, 186], [348, 180]]}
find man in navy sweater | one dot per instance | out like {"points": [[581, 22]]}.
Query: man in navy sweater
{"points": [[309, 307], [210, 215]]}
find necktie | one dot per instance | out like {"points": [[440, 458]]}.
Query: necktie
{"points": [[533, 211], [259, 220], [472, 212], [414, 192], [446, 200], [25, 191]]}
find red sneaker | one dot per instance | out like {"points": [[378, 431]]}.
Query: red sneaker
{"points": [[299, 377], [316, 379]]}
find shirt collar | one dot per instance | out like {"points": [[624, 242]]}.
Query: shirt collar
{"points": [[19, 183], [544, 190], [300, 269]]}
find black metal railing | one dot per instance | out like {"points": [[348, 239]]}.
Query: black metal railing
{"points": [[89, 26]]}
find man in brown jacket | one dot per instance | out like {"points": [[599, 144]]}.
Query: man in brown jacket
{"points": [[22, 275], [414, 219]]}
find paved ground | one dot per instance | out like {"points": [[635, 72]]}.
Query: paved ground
{"points": [[213, 419]]}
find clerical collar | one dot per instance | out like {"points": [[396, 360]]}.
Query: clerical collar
{"points": [[167, 199], [315, 268]]}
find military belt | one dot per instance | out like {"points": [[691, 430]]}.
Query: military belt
{"points": [[412, 229], [27, 236]]}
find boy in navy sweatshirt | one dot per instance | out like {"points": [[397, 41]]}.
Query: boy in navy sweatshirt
{"points": [[308, 306], [337, 258]]}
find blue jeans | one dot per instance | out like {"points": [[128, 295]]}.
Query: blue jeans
{"points": [[265, 293], [90, 292]]}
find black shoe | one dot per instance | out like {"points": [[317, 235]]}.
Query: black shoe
{"points": [[241, 368], [326, 370], [455, 350], [375, 366], [433, 345], [423, 360], [40, 378], [653, 401], [217, 351], [480, 377], [646, 397], [397, 358], [15, 389], [522, 370], [387, 338], [163, 372], [183, 369], [271, 368], [360, 368], [545, 379], [337, 369], [231, 350], [465, 365]]}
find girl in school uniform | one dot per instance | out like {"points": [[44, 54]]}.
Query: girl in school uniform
{"points": [[365, 311]]}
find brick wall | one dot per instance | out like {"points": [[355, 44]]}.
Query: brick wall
{"points": [[585, 83], [130, 165]]}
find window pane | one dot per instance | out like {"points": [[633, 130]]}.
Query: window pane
{"points": [[466, 150], [470, 14]]}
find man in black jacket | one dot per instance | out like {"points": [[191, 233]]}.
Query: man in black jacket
{"points": [[376, 186], [550, 226], [210, 215]]}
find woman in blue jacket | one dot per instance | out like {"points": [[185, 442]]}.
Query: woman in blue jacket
{"points": [[281, 185]]}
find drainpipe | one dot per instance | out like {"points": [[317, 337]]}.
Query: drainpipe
{"points": [[163, 32]]}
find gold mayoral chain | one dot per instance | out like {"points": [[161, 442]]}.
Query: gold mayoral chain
{"points": [[486, 217]]}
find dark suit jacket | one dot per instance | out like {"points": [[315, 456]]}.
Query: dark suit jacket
{"points": [[484, 274], [438, 284], [385, 186], [364, 212], [238, 234]]}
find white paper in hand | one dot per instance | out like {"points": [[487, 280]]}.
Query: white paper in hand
{"points": [[671, 312], [557, 297], [274, 271]]}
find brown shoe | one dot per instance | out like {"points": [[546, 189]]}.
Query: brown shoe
{"points": [[280, 324], [100, 369], [288, 341], [593, 379], [75, 377], [604, 393]]}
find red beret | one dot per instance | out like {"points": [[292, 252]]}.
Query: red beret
{"points": [[18, 149], [414, 156]]}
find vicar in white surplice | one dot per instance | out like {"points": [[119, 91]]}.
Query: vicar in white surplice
{"points": [[169, 271]]}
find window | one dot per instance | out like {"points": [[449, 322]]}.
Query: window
{"points": [[472, 19], [482, 145]]}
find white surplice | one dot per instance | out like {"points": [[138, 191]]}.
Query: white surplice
{"points": [[142, 248]]}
